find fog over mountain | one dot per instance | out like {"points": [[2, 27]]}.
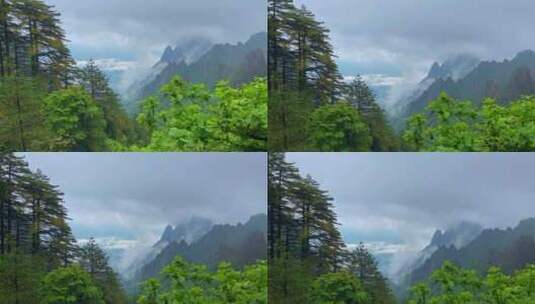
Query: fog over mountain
{"points": [[126, 200], [402, 40], [127, 38], [395, 203]]}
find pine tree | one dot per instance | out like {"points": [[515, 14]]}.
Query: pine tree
{"points": [[304, 239], [359, 95], [95, 82], [95, 261], [361, 263]]}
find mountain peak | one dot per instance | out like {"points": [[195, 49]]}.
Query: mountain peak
{"points": [[168, 55], [526, 54], [434, 72], [188, 230], [454, 67], [457, 235], [527, 225], [168, 233], [188, 50]]}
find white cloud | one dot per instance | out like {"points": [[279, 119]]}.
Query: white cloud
{"points": [[378, 79], [110, 64], [110, 243], [381, 247]]}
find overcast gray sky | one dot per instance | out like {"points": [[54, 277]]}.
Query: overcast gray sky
{"points": [[134, 196], [400, 198], [403, 38], [140, 30]]}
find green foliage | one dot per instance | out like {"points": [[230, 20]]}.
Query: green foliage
{"points": [[240, 118], [148, 118], [70, 285], [75, 120], [452, 125], [305, 86], [338, 288], [339, 127], [37, 248], [20, 278], [95, 262], [21, 120], [194, 284], [361, 263], [288, 114], [227, 119], [308, 261], [150, 292], [453, 285], [290, 279], [118, 125], [360, 96]]}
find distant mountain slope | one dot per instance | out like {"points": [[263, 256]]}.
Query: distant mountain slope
{"points": [[238, 64], [458, 236], [509, 249], [240, 245], [188, 231], [188, 51], [504, 81]]}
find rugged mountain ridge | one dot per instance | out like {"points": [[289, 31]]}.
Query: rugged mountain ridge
{"points": [[509, 249], [239, 244], [188, 51], [458, 236], [505, 81], [188, 231], [238, 63]]}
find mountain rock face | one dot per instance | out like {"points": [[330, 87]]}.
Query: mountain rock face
{"points": [[188, 231], [187, 51], [239, 245], [239, 63], [457, 236], [509, 249], [454, 68], [504, 81]]}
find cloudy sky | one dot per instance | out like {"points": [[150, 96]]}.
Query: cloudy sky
{"points": [[139, 30], [403, 38], [401, 199], [129, 196]]}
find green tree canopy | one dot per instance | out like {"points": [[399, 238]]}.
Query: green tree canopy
{"points": [[339, 127], [451, 125], [338, 288], [70, 285], [194, 284], [75, 120]]}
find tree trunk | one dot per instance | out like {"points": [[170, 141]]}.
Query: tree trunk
{"points": [[19, 115]]}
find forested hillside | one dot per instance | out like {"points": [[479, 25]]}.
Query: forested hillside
{"points": [[48, 103], [312, 108], [239, 64], [496, 267], [40, 260], [240, 245], [308, 260]]}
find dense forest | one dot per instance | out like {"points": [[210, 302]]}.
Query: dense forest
{"points": [[183, 282], [311, 107], [239, 245], [310, 263], [49, 103], [308, 260], [40, 260], [452, 284]]}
